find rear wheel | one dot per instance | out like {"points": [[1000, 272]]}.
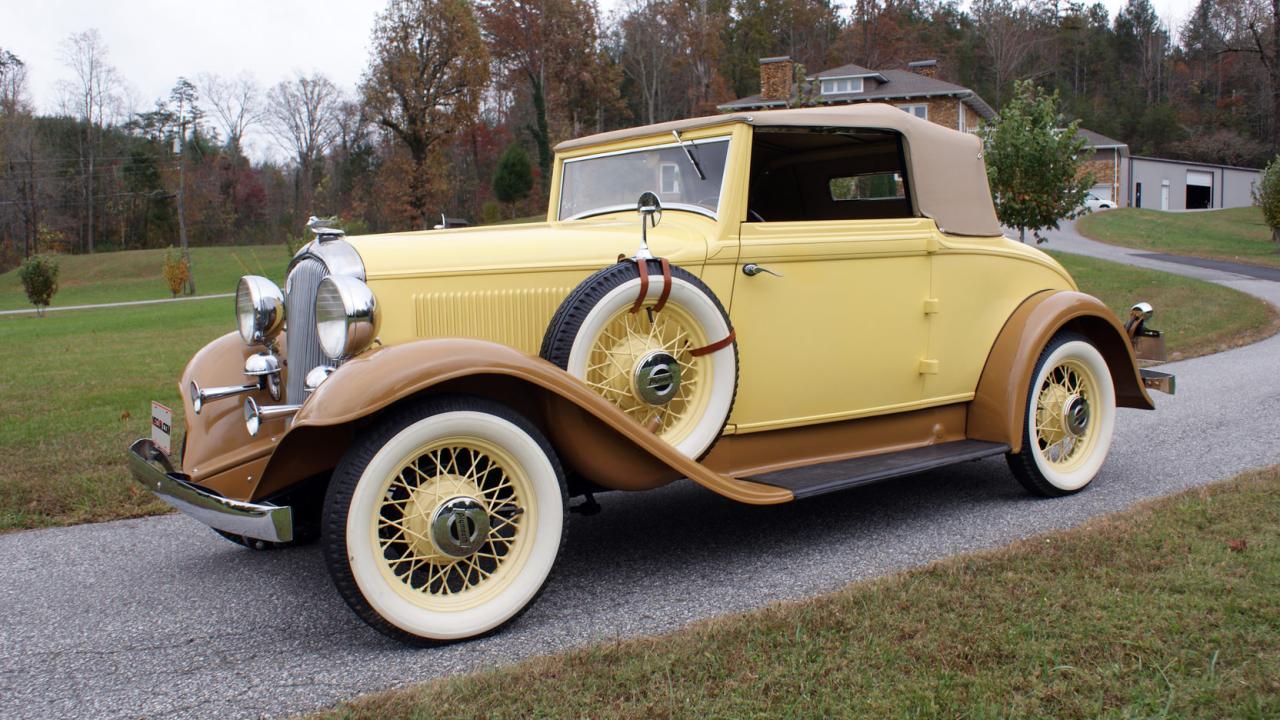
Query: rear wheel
{"points": [[1070, 418], [444, 521]]}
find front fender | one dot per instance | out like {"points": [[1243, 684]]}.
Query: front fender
{"points": [[999, 406], [585, 428]]}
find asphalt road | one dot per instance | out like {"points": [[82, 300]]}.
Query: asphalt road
{"points": [[160, 618]]}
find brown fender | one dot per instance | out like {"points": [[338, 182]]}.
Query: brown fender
{"points": [[587, 431], [1000, 404]]}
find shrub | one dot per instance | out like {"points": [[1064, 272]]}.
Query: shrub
{"points": [[39, 274], [176, 271], [491, 212], [1267, 196]]}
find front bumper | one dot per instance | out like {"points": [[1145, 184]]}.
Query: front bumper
{"points": [[154, 471]]}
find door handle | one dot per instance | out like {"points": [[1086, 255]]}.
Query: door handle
{"points": [[752, 269]]}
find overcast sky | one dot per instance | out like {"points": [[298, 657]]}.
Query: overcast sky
{"points": [[153, 42]]}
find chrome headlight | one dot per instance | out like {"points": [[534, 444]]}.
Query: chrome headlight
{"points": [[259, 310], [346, 316]]}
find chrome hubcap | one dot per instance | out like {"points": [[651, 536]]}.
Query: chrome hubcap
{"points": [[459, 527], [657, 378], [1075, 415]]}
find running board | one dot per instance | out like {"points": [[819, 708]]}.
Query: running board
{"points": [[830, 477]]}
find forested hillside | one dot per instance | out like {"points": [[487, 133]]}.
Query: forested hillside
{"points": [[451, 84]]}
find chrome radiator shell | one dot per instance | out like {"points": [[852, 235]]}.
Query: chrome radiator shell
{"points": [[302, 343]]}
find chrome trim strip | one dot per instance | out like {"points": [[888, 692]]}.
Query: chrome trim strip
{"points": [[154, 471], [339, 257]]}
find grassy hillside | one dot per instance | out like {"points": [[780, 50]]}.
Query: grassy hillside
{"points": [[1236, 234], [139, 274]]}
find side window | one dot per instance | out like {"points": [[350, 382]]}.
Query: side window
{"points": [[871, 186], [801, 174]]}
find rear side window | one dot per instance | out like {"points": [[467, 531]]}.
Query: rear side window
{"points": [[870, 186]]}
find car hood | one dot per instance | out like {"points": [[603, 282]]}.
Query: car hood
{"points": [[581, 244]]}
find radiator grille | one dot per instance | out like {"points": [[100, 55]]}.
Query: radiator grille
{"points": [[303, 347], [517, 318]]}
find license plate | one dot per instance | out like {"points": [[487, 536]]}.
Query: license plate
{"points": [[162, 427]]}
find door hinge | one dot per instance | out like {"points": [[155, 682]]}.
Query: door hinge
{"points": [[928, 367], [931, 306]]}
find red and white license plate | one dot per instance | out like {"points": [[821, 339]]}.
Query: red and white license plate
{"points": [[162, 427]]}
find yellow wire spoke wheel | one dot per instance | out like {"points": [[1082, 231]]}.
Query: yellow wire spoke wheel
{"points": [[443, 522], [1064, 431], [1069, 421], [642, 363], [653, 364], [451, 523]]}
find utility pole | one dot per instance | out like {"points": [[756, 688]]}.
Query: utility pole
{"points": [[180, 148]]}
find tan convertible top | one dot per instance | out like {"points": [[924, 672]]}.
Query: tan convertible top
{"points": [[947, 174]]}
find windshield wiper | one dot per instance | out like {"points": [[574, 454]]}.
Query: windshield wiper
{"points": [[689, 154]]}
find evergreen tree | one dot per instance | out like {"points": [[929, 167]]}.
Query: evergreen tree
{"points": [[513, 180]]}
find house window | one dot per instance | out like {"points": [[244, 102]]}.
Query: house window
{"points": [[670, 179], [920, 111], [835, 86]]}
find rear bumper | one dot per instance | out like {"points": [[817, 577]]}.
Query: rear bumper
{"points": [[154, 471]]}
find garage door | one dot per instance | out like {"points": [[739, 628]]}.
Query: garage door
{"points": [[1199, 190], [1102, 192]]}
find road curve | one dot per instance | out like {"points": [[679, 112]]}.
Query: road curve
{"points": [[160, 618]]}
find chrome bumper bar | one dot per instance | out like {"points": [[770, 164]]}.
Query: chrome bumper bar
{"points": [[154, 471]]}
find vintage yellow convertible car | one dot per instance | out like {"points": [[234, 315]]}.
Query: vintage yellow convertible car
{"points": [[827, 302]]}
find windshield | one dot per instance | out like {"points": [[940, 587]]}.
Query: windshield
{"points": [[615, 181]]}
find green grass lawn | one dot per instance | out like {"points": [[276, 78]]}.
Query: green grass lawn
{"points": [[1236, 234], [1197, 317], [76, 385], [1169, 610], [139, 274]]}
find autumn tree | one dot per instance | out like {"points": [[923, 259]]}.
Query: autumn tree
{"points": [[302, 115], [92, 98], [428, 68], [550, 48], [1034, 163], [234, 104]]}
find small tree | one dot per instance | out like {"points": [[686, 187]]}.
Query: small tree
{"points": [[1267, 196], [176, 271], [513, 180], [39, 275], [1034, 163]]}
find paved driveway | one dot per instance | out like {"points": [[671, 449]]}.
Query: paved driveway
{"points": [[160, 618]]}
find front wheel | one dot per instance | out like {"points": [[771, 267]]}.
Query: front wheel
{"points": [[1071, 415], [443, 522]]}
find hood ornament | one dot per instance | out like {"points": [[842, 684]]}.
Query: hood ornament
{"points": [[650, 210], [324, 228]]}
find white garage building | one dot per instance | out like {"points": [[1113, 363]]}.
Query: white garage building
{"points": [[1159, 184]]}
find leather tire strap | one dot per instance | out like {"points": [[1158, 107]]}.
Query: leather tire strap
{"points": [[643, 267], [666, 285], [719, 345]]}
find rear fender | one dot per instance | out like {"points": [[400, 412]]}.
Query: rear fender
{"points": [[999, 406], [588, 432]]}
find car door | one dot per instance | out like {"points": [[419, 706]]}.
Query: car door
{"points": [[839, 331]]}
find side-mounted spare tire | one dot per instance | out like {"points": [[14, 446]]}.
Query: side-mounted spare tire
{"points": [[656, 344]]}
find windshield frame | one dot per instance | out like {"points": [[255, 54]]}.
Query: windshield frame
{"points": [[689, 207]]}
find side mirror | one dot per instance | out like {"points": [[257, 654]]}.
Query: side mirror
{"points": [[650, 209]]}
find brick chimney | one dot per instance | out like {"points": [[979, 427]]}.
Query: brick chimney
{"points": [[776, 77], [927, 68]]}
